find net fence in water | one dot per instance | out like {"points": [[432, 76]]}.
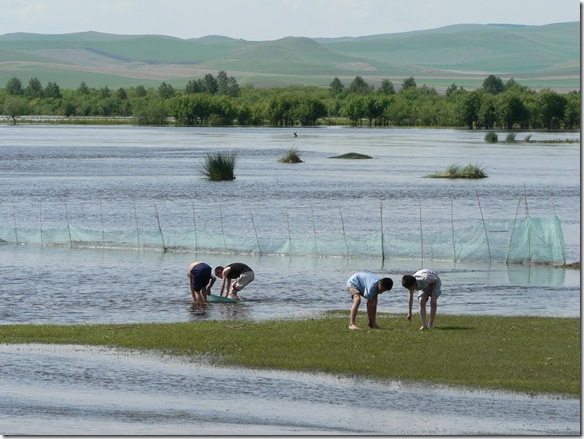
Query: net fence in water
{"points": [[386, 230]]}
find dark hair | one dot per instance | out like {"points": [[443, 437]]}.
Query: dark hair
{"points": [[386, 283], [408, 281], [218, 269]]}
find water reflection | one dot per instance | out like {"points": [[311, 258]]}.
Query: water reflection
{"points": [[536, 276], [87, 390]]}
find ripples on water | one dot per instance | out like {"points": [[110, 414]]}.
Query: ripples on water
{"points": [[111, 177], [104, 392]]}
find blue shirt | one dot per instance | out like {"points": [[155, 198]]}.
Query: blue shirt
{"points": [[366, 283]]}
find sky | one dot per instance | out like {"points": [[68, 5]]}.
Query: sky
{"points": [[266, 20]]}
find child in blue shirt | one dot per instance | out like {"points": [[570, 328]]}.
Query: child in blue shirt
{"points": [[369, 286]]}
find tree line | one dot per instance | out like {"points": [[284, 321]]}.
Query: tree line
{"points": [[219, 101]]}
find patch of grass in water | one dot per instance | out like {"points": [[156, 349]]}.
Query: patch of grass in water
{"points": [[220, 166], [527, 354], [352, 156], [290, 156], [456, 171]]}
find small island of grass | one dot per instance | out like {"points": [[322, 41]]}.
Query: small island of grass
{"points": [[456, 171], [462, 350], [352, 156], [290, 156]]}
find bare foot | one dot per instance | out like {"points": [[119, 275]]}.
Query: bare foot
{"points": [[354, 327], [375, 326], [423, 328]]}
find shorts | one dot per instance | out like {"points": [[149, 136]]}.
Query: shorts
{"points": [[353, 291], [436, 293], [200, 276], [244, 279]]}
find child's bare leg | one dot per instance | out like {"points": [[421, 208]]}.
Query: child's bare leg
{"points": [[423, 301], [433, 308], [372, 313], [354, 308]]}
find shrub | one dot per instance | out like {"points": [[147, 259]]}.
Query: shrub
{"points": [[491, 137], [510, 138], [220, 166], [456, 171], [290, 156]]}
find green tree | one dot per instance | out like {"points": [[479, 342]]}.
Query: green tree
{"points": [[14, 87], [409, 83], [165, 91], [336, 87], [122, 94], [15, 106], [359, 86], [452, 89], [141, 91], [151, 112], [222, 83], [354, 108], [387, 87], [83, 89], [308, 110], [194, 86], [573, 110], [52, 90], [34, 89], [553, 106], [493, 84], [511, 110], [210, 84], [487, 115], [468, 107]]}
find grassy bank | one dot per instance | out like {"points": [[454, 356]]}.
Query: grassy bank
{"points": [[527, 354]]}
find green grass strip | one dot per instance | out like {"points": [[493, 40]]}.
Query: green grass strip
{"points": [[527, 354]]}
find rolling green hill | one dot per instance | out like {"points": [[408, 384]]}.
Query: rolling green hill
{"points": [[536, 56]]}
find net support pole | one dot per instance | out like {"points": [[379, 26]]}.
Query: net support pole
{"points": [[421, 234], [68, 224], [164, 249], [255, 231], [101, 219], [314, 229], [289, 233], [41, 221], [453, 234], [344, 235], [484, 226], [222, 230], [136, 220], [14, 219], [195, 227], [381, 224]]}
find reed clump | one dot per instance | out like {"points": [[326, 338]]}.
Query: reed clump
{"points": [[491, 137], [291, 155], [527, 354], [456, 171], [220, 166]]}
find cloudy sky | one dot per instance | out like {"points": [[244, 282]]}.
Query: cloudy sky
{"points": [[271, 19]]}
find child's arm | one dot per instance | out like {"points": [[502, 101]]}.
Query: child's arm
{"points": [[410, 303]]}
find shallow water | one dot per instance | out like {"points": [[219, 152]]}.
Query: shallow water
{"points": [[79, 390], [86, 211]]}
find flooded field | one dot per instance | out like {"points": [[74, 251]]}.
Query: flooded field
{"points": [[100, 224]]}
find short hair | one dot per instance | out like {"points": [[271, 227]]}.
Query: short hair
{"points": [[386, 283], [218, 269], [408, 281]]}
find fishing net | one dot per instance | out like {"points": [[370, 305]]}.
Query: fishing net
{"points": [[386, 231]]}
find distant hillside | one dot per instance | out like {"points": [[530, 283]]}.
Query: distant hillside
{"points": [[536, 56]]}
